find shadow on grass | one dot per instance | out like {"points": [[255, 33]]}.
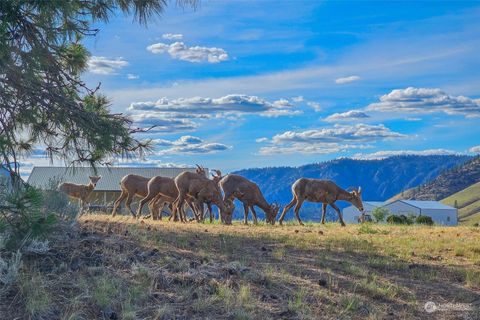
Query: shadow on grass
{"points": [[141, 270]]}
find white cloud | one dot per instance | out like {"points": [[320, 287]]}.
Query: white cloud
{"points": [[188, 145], [298, 99], [105, 66], [349, 115], [302, 148], [347, 79], [162, 124], [475, 149], [340, 133], [315, 106], [172, 36], [135, 162], [180, 51], [260, 140], [132, 76], [413, 119], [391, 153], [426, 100], [229, 105], [328, 140]]}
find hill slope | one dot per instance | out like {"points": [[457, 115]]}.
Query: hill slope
{"points": [[380, 179], [468, 203], [447, 183]]}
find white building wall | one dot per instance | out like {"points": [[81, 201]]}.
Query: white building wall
{"points": [[447, 217]]}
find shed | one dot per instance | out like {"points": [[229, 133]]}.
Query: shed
{"points": [[351, 213], [108, 187], [439, 212]]}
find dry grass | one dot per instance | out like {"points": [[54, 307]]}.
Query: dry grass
{"points": [[133, 269]]}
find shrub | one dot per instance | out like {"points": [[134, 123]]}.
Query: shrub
{"points": [[424, 220], [380, 214], [401, 219], [22, 215]]}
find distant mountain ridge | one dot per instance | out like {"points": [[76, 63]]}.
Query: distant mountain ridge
{"points": [[447, 183], [379, 179]]}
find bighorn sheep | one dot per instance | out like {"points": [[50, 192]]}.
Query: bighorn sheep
{"points": [[325, 191], [161, 190], [248, 192], [132, 185], [79, 191], [202, 190]]}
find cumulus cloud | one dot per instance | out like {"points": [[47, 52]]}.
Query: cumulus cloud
{"points": [[329, 140], [188, 145], [302, 148], [105, 66], [260, 140], [345, 80], [315, 106], [340, 133], [391, 153], [136, 162], [198, 107], [132, 76], [426, 100], [475, 149], [196, 54], [298, 99], [349, 115], [161, 123], [172, 36]]}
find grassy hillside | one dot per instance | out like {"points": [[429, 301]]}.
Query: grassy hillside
{"points": [[447, 183], [468, 203], [122, 268], [380, 179]]}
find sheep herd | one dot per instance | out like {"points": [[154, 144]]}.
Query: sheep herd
{"points": [[196, 189]]}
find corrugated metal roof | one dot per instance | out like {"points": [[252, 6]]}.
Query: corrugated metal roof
{"points": [[375, 203], [426, 204], [40, 176]]}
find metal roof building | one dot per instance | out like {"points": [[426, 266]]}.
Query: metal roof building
{"points": [[439, 212], [351, 213], [110, 181], [108, 187]]}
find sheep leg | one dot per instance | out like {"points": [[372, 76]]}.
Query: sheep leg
{"points": [[128, 203], [210, 212], [123, 195], [287, 207], [254, 214], [149, 197], [245, 212], [339, 213], [297, 209], [324, 212]]}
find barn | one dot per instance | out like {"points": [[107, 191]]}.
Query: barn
{"points": [[440, 213], [351, 213], [108, 187]]}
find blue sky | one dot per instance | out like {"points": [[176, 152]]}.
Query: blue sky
{"points": [[242, 84]]}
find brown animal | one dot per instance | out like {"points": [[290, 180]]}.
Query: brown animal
{"points": [[325, 191], [161, 190], [202, 190], [248, 192], [131, 186], [79, 191]]}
